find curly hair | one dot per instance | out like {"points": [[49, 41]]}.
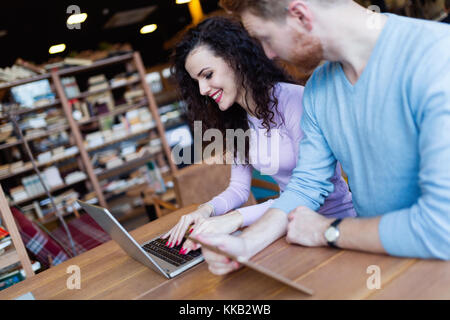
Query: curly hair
{"points": [[257, 74]]}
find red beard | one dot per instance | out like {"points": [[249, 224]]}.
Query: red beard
{"points": [[307, 53]]}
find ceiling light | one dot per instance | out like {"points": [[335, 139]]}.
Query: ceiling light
{"points": [[148, 28], [182, 1], [77, 18], [57, 48]]}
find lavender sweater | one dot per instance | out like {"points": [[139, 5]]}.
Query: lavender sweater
{"points": [[276, 154]]}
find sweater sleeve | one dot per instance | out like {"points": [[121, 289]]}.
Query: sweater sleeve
{"points": [[252, 213], [237, 192], [423, 230]]}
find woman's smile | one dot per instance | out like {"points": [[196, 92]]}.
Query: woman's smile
{"points": [[217, 96]]}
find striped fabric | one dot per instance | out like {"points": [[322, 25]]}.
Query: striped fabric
{"points": [[86, 233], [38, 243]]}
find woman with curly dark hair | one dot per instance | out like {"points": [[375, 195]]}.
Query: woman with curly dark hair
{"points": [[228, 82]]}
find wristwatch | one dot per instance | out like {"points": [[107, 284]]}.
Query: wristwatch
{"points": [[332, 233]]}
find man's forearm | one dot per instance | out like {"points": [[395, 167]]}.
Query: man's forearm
{"points": [[270, 227], [360, 234]]}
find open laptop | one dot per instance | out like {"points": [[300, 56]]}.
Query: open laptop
{"points": [[153, 254]]}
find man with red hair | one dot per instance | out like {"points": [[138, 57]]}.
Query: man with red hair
{"points": [[380, 105]]}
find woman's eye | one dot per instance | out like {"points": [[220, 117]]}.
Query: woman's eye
{"points": [[209, 75]]}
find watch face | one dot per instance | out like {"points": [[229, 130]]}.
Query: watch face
{"points": [[331, 234]]}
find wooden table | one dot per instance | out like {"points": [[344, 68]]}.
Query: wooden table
{"points": [[107, 272]]}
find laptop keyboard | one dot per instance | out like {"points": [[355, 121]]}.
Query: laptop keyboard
{"points": [[172, 255]]}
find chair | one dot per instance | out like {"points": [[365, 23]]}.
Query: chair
{"points": [[264, 187], [199, 183], [194, 184], [154, 203]]}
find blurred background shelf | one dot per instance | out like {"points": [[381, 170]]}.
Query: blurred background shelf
{"points": [[102, 105]]}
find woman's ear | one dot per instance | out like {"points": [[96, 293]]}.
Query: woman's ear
{"points": [[300, 12]]}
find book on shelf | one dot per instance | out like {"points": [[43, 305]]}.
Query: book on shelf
{"points": [[98, 82], [94, 139], [38, 210], [16, 166], [134, 96], [154, 178], [52, 177], [3, 233], [106, 123], [74, 177], [9, 279], [6, 131], [78, 61], [4, 169], [113, 163], [70, 87], [44, 157], [57, 152], [33, 186], [80, 111], [4, 244], [127, 148], [153, 79], [63, 202], [18, 193]]}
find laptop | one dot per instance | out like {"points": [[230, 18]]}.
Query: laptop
{"points": [[153, 254]]}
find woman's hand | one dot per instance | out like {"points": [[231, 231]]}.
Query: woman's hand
{"points": [[177, 233], [225, 224]]}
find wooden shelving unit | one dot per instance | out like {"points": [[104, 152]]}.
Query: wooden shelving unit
{"points": [[18, 253], [74, 128]]}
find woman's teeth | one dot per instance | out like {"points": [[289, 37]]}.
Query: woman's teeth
{"points": [[217, 95]]}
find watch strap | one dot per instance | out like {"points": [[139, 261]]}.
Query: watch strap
{"points": [[334, 224]]}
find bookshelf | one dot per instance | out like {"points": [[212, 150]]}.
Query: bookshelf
{"points": [[83, 152], [18, 253]]}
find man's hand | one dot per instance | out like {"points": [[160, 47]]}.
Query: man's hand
{"points": [[224, 224], [270, 227], [219, 264], [307, 227]]}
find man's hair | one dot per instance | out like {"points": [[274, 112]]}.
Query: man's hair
{"points": [[268, 9], [447, 4], [274, 9]]}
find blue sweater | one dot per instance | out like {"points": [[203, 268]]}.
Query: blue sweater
{"points": [[391, 133]]}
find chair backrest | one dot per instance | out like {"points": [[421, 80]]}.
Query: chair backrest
{"points": [[199, 183]]}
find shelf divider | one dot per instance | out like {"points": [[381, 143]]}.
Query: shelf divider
{"points": [[78, 138]]}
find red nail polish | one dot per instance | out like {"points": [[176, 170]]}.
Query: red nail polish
{"points": [[190, 231], [167, 243]]}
